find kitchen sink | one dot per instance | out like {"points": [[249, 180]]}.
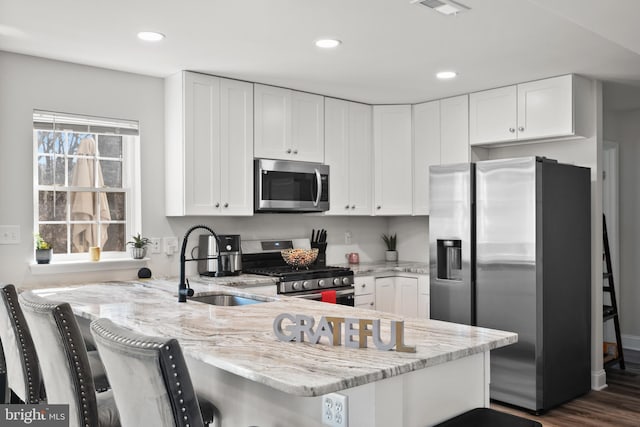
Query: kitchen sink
{"points": [[227, 300]]}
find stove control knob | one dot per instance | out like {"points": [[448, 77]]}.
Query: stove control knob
{"points": [[346, 281], [321, 283], [296, 286], [228, 247], [336, 281], [306, 284]]}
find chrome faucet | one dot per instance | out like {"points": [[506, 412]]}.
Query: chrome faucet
{"points": [[184, 290]]}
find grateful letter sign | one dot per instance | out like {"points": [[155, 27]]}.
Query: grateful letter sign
{"points": [[356, 332]]}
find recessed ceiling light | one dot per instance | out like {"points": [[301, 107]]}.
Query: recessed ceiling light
{"points": [[328, 43], [445, 75], [150, 36]]}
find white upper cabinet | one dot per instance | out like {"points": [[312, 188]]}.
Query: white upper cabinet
{"points": [[454, 130], [289, 125], [393, 187], [542, 109], [349, 154], [440, 136], [209, 145]]}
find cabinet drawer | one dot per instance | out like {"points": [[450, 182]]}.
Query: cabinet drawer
{"points": [[365, 301], [364, 285]]}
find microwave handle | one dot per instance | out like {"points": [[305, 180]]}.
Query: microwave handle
{"points": [[319, 186]]}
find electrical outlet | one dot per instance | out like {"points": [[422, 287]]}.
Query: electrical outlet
{"points": [[335, 410], [347, 237], [9, 234], [155, 243], [170, 245]]}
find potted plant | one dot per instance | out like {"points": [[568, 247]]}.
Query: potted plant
{"points": [[43, 250], [390, 240], [138, 246]]}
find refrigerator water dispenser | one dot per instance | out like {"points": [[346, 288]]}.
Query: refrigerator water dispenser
{"points": [[450, 259]]}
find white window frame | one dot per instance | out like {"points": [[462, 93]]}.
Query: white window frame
{"points": [[130, 186]]}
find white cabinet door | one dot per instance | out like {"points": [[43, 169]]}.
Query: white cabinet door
{"points": [[454, 130], [336, 153], [492, 115], [406, 296], [272, 122], [307, 121], [392, 160], [360, 159], [289, 125], [349, 154], [545, 108], [364, 285], [236, 147], [201, 144], [426, 151], [365, 301], [209, 145], [385, 294]]}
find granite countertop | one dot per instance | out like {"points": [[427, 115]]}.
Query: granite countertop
{"points": [[241, 340], [377, 267]]}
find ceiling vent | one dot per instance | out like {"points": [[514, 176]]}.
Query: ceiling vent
{"points": [[445, 7]]}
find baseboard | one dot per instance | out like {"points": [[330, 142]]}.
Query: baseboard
{"points": [[631, 342], [598, 380]]}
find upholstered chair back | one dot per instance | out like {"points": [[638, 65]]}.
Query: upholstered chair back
{"points": [[63, 358], [149, 377], [23, 375]]}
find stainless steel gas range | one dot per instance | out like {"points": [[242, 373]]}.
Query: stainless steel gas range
{"points": [[315, 282]]}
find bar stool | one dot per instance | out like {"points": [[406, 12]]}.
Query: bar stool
{"points": [[4, 386], [150, 379], [23, 374], [65, 363], [23, 371]]}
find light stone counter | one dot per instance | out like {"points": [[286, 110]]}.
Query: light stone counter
{"points": [[381, 267], [240, 339]]}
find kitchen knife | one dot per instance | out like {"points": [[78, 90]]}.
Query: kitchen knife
{"points": [[313, 232]]}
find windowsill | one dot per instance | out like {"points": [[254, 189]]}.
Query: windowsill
{"points": [[83, 266]]}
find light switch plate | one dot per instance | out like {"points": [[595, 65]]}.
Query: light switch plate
{"points": [[9, 234], [170, 245]]}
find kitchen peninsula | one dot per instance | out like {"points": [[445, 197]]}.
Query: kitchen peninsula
{"points": [[237, 362]]}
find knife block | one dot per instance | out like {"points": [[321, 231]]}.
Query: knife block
{"points": [[321, 261]]}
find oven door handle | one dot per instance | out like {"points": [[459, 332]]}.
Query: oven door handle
{"points": [[319, 187], [318, 295]]}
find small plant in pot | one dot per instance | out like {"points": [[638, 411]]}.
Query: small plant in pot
{"points": [[43, 250], [138, 246], [390, 240]]}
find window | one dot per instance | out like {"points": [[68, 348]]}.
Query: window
{"points": [[86, 191]]}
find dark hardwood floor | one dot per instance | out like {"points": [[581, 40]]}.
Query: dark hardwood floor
{"points": [[616, 405]]}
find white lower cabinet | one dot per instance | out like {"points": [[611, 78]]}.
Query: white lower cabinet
{"points": [[365, 292], [406, 295]]}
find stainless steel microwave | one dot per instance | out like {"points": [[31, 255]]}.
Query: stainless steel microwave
{"points": [[290, 186]]}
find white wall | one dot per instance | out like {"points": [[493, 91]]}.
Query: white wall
{"points": [[28, 83], [413, 237], [624, 127]]}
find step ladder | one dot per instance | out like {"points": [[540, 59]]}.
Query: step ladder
{"points": [[611, 311]]}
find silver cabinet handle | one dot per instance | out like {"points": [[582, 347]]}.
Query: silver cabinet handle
{"points": [[371, 304], [512, 130], [521, 128], [289, 151], [295, 151], [226, 205], [217, 205], [353, 206], [364, 285], [378, 207], [346, 207]]}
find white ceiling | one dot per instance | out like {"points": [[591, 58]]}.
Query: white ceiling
{"points": [[391, 49]]}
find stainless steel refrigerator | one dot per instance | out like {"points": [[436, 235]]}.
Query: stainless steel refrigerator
{"points": [[510, 249]]}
